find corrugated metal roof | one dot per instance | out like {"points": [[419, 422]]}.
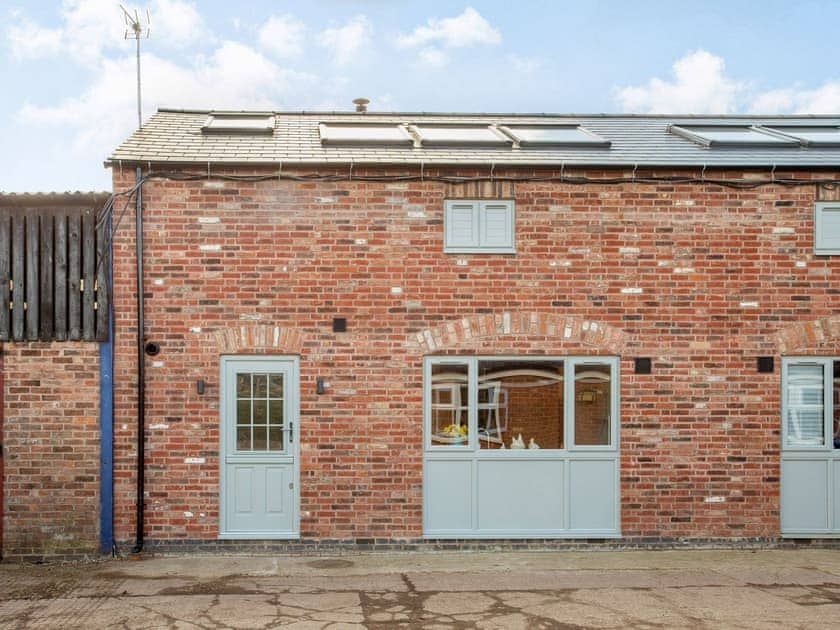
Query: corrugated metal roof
{"points": [[175, 137]]}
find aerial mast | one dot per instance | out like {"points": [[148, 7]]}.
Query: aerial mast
{"points": [[135, 30]]}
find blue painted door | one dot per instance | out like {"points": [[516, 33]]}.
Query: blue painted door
{"points": [[259, 447]]}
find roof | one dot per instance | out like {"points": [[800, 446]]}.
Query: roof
{"points": [[54, 200], [176, 137]]}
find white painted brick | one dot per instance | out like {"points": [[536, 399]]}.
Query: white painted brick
{"points": [[194, 460], [784, 230], [210, 248], [208, 220], [749, 304], [632, 290]]}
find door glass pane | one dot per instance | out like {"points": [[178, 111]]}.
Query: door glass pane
{"points": [[805, 405], [593, 384], [243, 412], [449, 399], [520, 404], [260, 437], [243, 438], [243, 385], [275, 411], [260, 385], [260, 412], [275, 438], [275, 386]]}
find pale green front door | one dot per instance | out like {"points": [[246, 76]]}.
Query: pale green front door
{"points": [[259, 447]]}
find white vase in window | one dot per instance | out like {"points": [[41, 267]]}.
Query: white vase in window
{"points": [[533, 444], [517, 442]]}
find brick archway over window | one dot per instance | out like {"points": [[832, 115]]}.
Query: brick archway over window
{"points": [[569, 329], [258, 339], [806, 335]]}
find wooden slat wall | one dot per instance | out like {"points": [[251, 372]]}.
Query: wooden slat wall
{"points": [[53, 274]]}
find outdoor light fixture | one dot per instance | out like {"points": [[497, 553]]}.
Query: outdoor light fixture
{"points": [[320, 386], [199, 386]]}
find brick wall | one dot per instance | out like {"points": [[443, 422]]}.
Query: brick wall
{"points": [[699, 277], [51, 447]]}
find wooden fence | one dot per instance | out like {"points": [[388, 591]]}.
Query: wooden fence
{"points": [[53, 268]]}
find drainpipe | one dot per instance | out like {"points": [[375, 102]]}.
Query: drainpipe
{"points": [[106, 417], [141, 370]]}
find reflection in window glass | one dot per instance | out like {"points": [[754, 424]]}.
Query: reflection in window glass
{"points": [[836, 399], [520, 399], [805, 405], [592, 404], [449, 400]]}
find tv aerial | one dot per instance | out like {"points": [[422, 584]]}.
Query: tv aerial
{"points": [[137, 31]]}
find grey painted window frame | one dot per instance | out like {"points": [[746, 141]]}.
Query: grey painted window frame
{"points": [[827, 364], [819, 209], [569, 363], [480, 205]]}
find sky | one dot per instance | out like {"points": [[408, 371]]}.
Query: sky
{"points": [[68, 75]]}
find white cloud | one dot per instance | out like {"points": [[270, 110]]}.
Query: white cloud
{"points": [[432, 57], [467, 29], [235, 76], [283, 35], [89, 27], [346, 42], [699, 86]]}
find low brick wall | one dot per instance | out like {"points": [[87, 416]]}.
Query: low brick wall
{"points": [[51, 447]]}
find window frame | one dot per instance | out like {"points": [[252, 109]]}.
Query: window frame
{"points": [[819, 208], [473, 446], [827, 364], [480, 206]]}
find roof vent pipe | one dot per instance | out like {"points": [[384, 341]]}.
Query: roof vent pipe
{"points": [[361, 104]]}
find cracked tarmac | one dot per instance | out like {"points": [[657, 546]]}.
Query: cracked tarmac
{"points": [[505, 591]]}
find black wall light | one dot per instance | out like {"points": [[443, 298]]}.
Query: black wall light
{"points": [[199, 386], [339, 324], [320, 386]]}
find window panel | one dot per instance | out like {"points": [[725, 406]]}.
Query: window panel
{"points": [[827, 227], [473, 226], [275, 438], [593, 386], [520, 402], [243, 412], [243, 438], [260, 382], [449, 400], [260, 412], [275, 386], [805, 412]]}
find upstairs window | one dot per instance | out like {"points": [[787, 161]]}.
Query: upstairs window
{"points": [[827, 227], [479, 227]]}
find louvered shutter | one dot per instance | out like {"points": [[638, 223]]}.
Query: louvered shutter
{"points": [[827, 227], [461, 225], [496, 220]]}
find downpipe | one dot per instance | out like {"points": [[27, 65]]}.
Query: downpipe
{"points": [[141, 368]]}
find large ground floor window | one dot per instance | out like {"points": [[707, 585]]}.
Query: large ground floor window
{"points": [[521, 446], [810, 479]]}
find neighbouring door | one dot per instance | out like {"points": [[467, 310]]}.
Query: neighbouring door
{"points": [[810, 466], [259, 447]]}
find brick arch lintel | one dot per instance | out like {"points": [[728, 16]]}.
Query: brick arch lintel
{"points": [[258, 338], [566, 328], [810, 334]]}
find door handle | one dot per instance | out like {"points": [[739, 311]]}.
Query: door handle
{"points": [[291, 432]]}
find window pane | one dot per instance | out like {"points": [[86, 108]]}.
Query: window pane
{"points": [[275, 438], [275, 386], [260, 412], [592, 404], [260, 437], [805, 405], [243, 438], [243, 412], [275, 411], [520, 404], [260, 385], [449, 401], [243, 385]]}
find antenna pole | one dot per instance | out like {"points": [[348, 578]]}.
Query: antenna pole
{"points": [[135, 30], [139, 99]]}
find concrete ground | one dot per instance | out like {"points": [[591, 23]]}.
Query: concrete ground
{"points": [[599, 589]]}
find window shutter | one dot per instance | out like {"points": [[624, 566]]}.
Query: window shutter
{"points": [[497, 225], [827, 227], [461, 221]]}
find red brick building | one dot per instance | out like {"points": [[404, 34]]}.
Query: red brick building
{"points": [[355, 319]]}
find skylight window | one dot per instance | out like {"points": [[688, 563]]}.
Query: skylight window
{"points": [[730, 135], [554, 135], [455, 135], [239, 123], [350, 134], [812, 136]]}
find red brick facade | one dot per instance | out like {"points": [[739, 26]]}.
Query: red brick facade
{"points": [[699, 277], [51, 449]]}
